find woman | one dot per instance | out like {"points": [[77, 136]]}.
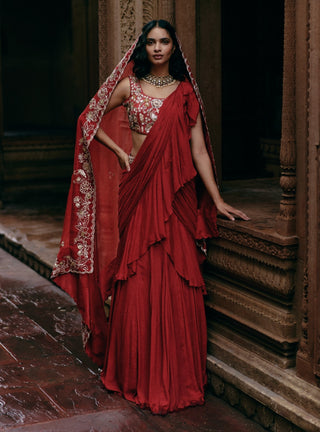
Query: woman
{"points": [[153, 348]]}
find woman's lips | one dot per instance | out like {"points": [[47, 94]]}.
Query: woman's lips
{"points": [[158, 57]]}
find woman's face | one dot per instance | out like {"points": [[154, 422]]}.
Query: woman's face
{"points": [[159, 46]]}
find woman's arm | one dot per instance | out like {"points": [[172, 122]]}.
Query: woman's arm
{"points": [[120, 94], [203, 165]]}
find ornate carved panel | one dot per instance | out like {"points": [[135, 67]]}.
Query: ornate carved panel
{"points": [[273, 321], [285, 250], [127, 24], [251, 286]]}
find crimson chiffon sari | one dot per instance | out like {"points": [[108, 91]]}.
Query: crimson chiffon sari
{"points": [[153, 346], [157, 345]]}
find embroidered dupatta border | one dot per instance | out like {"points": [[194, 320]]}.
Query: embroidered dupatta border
{"points": [[83, 182]]}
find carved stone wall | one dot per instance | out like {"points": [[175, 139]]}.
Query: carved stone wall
{"points": [[303, 75], [308, 362], [251, 284], [130, 24]]}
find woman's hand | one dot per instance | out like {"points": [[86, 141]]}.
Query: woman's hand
{"points": [[229, 212], [123, 159]]}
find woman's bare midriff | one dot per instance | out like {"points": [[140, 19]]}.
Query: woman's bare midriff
{"points": [[137, 141]]}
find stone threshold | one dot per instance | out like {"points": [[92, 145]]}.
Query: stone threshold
{"points": [[274, 397], [32, 234], [28, 257]]}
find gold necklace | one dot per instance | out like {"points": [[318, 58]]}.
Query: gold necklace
{"points": [[159, 81]]}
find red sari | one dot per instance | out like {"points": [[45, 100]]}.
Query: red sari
{"points": [[153, 348], [156, 353]]}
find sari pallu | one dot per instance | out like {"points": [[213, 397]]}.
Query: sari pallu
{"points": [[156, 353], [162, 183]]}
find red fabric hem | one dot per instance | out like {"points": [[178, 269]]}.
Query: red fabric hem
{"points": [[164, 411]]}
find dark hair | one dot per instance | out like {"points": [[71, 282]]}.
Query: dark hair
{"points": [[141, 68]]}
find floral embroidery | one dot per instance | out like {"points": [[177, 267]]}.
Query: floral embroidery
{"points": [[143, 110], [79, 256]]}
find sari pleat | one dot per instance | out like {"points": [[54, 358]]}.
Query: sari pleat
{"points": [[156, 354]]}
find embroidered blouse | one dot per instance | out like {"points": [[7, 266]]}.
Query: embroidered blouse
{"points": [[142, 109]]}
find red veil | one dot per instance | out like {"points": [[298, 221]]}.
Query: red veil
{"points": [[90, 233]]}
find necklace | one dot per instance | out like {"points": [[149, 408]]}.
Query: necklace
{"points": [[159, 81]]}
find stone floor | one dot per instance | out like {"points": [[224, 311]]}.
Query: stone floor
{"points": [[48, 384], [32, 232]]}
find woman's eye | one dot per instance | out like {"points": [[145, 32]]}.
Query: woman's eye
{"points": [[166, 41], [149, 42]]}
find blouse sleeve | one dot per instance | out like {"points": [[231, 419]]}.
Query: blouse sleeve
{"points": [[191, 105]]}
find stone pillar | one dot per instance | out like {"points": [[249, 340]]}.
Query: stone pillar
{"points": [[209, 70], [286, 222], [308, 215], [185, 19], [120, 22]]}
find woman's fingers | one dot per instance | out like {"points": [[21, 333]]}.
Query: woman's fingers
{"points": [[222, 210], [227, 215], [239, 214], [230, 212], [243, 216], [124, 161], [127, 164]]}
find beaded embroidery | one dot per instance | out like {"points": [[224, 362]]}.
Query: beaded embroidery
{"points": [[143, 110]]}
